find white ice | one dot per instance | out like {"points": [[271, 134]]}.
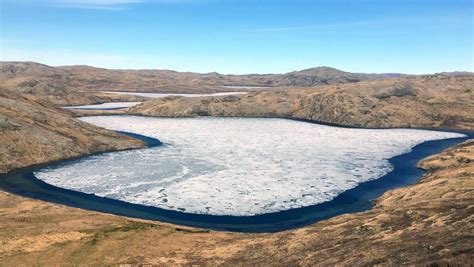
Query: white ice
{"points": [[109, 105], [244, 87], [236, 166], [161, 95]]}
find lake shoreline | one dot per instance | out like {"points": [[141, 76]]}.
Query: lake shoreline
{"points": [[350, 201]]}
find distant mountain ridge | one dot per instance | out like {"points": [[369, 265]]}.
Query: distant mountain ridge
{"points": [[168, 81]]}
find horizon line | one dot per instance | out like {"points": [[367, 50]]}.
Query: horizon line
{"points": [[217, 72]]}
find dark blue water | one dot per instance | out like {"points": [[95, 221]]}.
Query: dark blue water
{"points": [[22, 182]]}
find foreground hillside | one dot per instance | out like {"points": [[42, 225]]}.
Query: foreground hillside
{"points": [[32, 133], [438, 101], [426, 223]]}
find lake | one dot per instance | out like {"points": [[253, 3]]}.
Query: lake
{"points": [[105, 106], [239, 174], [163, 95], [123, 105]]}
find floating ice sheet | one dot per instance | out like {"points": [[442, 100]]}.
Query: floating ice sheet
{"points": [[108, 105], [236, 166], [163, 95]]}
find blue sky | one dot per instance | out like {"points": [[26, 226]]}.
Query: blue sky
{"points": [[242, 36]]}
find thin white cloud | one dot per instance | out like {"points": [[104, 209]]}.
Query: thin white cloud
{"points": [[446, 20], [95, 4], [319, 27], [81, 4], [91, 7], [98, 2]]}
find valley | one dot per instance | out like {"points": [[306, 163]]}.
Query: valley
{"points": [[427, 222]]}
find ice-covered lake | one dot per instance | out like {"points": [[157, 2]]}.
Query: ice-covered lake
{"points": [[163, 95], [105, 106], [241, 87], [235, 166], [123, 105]]}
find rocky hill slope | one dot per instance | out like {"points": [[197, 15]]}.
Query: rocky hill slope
{"points": [[85, 77], [32, 133], [440, 101], [56, 93], [50, 86]]}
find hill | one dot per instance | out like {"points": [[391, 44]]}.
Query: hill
{"points": [[435, 101], [32, 133], [49, 85], [167, 81]]}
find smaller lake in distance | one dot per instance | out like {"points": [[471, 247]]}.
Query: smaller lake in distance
{"points": [[242, 87], [162, 95], [105, 106], [123, 105]]}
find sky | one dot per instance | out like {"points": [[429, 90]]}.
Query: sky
{"points": [[242, 36]]}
